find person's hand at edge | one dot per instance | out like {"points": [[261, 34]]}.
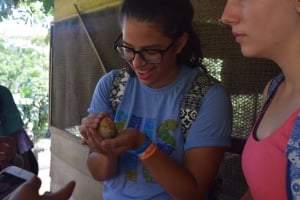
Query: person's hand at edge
{"points": [[30, 191]]}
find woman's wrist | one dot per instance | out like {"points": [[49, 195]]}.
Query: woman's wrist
{"points": [[146, 150], [149, 151], [144, 146]]}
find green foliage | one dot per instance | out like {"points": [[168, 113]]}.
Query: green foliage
{"points": [[7, 7], [24, 70]]}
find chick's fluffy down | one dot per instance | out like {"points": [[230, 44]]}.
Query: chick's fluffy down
{"points": [[107, 128]]}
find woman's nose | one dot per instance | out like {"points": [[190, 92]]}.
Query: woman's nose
{"points": [[230, 13], [138, 61]]}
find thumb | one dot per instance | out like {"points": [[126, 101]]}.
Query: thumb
{"points": [[62, 194], [35, 182], [27, 190]]}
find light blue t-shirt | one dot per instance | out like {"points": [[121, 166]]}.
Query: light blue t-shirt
{"points": [[156, 113]]}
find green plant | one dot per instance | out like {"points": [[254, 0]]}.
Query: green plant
{"points": [[24, 70], [7, 7]]}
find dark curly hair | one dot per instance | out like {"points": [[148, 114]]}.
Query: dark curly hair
{"points": [[174, 17]]}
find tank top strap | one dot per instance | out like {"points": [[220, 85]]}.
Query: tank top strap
{"points": [[275, 82]]}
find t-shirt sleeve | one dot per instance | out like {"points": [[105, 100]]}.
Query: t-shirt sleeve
{"points": [[11, 120], [213, 125], [100, 100]]}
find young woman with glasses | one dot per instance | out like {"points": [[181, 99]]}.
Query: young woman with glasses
{"points": [[150, 158]]}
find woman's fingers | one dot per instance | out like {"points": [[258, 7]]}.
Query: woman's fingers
{"points": [[62, 194], [89, 125], [92, 120]]}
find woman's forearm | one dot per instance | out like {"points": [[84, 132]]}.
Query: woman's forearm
{"points": [[102, 167]]}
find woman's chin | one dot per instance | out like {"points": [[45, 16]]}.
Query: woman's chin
{"points": [[248, 53]]}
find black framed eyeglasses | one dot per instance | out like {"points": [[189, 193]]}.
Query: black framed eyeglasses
{"points": [[152, 56]]}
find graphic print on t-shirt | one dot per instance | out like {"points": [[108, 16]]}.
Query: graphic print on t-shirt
{"points": [[164, 139]]}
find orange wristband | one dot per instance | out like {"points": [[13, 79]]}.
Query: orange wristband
{"points": [[148, 152]]}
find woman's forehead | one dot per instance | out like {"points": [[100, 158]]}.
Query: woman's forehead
{"points": [[135, 28]]}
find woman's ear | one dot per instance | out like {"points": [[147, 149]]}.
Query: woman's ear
{"points": [[181, 42]]}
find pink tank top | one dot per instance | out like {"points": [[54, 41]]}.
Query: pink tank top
{"points": [[264, 162]]}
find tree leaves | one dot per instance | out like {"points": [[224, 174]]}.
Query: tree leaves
{"points": [[7, 7], [24, 70]]}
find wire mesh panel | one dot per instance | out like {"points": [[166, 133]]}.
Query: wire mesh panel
{"points": [[244, 79], [75, 67]]}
